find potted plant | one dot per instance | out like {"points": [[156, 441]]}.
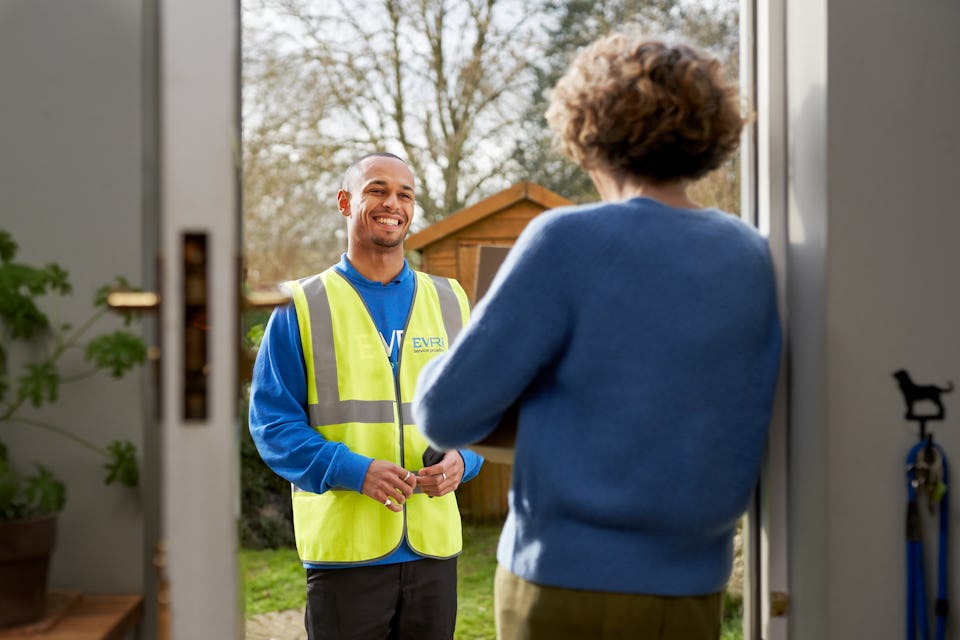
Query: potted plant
{"points": [[32, 352]]}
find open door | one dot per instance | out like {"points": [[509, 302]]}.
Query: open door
{"points": [[764, 203], [192, 129]]}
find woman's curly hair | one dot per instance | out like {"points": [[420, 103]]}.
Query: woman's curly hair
{"points": [[655, 110]]}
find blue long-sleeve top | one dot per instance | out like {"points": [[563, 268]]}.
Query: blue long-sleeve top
{"points": [[642, 344], [278, 398]]}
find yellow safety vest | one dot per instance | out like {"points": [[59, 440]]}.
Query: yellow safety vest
{"points": [[354, 398]]}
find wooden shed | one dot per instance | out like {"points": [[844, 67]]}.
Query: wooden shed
{"points": [[468, 245], [451, 247]]}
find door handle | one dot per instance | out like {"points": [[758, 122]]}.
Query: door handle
{"points": [[194, 316], [133, 301], [195, 338]]}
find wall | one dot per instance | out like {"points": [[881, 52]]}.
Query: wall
{"points": [[70, 192], [873, 277]]}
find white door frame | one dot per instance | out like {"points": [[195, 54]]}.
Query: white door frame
{"points": [[199, 116], [765, 183]]}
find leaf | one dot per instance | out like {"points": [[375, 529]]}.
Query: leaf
{"points": [[30, 496], [20, 286], [4, 380], [9, 492], [21, 315], [8, 248], [40, 384], [120, 283], [100, 295], [117, 352], [122, 466], [254, 336], [44, 492], [57, 278]]}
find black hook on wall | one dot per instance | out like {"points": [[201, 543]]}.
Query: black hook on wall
{"points": [[922, 396]]}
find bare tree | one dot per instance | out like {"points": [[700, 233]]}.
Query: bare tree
{"points": [[443, 83], [456, 87], [571, 25], [289, 182]]}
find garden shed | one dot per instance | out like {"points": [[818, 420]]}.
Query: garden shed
{"points": [[469, 245], [452, 246]]}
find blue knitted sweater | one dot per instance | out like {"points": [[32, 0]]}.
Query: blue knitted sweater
{"points": [[642, 343]]}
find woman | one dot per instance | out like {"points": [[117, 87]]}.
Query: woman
{"points": [[640, 338]]}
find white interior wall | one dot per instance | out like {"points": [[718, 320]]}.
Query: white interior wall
{"points": [[807, 213], [70, 192], [873, 272]]}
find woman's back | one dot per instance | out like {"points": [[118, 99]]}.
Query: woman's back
{"points": [[660, 385]]}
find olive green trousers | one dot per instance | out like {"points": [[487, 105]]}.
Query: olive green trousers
{"points": [[527, 611]]}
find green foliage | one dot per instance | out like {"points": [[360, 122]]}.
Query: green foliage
{"points": [[732, 628], [254, 335], [29, 496], [122, 464], [38, 382], [266, 520], [45, 491], [273, 580], [117, 352], [20, 286], [475, 570]]}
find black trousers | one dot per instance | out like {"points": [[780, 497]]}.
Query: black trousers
{"points": [[406, 601]]}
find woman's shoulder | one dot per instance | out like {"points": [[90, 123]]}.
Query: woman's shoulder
{"points": [[575, 215]]}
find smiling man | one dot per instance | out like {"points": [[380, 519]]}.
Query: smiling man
{"points": [[375, 514], [377, 198]]}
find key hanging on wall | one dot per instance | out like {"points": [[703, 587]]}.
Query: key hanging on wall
{"points": [[927, 477]]}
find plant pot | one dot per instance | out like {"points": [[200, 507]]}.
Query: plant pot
{"points": [[25, 548]]}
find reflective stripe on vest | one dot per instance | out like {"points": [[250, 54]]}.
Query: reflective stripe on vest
{"points": [[362, 404]]}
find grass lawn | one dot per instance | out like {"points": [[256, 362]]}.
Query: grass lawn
{"points": [[475, 570], [274, 581]]}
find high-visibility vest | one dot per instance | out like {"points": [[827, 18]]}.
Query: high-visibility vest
{"points": [[353, 397]]}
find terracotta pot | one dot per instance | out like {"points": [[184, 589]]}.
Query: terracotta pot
{"points": [[25, 548]]}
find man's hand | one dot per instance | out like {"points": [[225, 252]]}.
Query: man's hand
{"points": [[389, 484], [442, 478]]}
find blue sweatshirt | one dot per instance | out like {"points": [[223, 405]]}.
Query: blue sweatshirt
{"points": [[278, 397], [642, 343]]}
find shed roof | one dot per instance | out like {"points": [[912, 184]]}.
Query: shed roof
{"points": [[487, 207]]}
